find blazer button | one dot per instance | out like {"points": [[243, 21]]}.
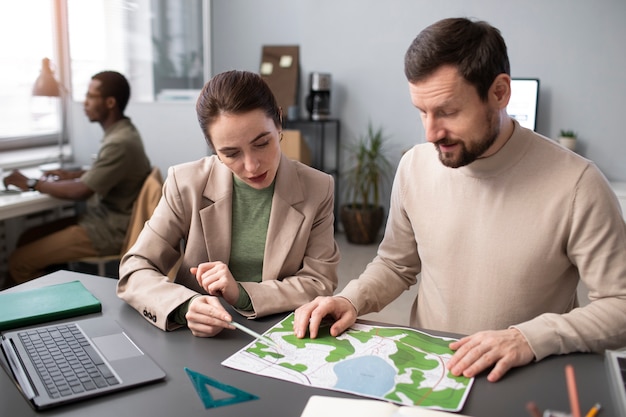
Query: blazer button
{"points": [[154, 319], [145, 312]]}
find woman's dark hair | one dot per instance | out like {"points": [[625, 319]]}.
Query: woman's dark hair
{"points": [[475, 48], [235, 92], [113, 84]]}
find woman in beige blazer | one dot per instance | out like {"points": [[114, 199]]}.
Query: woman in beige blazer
{"points": [[254, 228]]}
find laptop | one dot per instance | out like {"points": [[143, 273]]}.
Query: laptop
{"points": [[615, 361], [63, 363]]}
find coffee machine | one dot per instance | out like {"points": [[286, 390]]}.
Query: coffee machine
{"points": [[318, 100]]}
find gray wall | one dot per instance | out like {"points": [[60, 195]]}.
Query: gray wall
{"points": [[170, 133], [575, 47]]}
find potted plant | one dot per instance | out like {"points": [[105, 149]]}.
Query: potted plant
{"points": [[568, 138], [363, 215]]}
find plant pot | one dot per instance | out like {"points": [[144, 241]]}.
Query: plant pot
{"points": [[360, 224], [569, 143]]}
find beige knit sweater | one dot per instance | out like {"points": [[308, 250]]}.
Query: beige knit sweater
{"points": [[503, 242]]}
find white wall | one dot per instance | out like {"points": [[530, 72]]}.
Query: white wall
{"points": [[575, 47]]}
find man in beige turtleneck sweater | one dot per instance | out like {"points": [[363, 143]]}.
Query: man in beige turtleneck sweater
{"points": [[501, 222]]}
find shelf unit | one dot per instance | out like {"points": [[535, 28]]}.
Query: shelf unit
{"points": [[320, 135]]}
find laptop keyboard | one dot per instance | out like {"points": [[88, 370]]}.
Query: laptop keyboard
{"points": [[65, 360]]}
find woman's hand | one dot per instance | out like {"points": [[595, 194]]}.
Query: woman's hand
{"points": [[216, 279], [206, 317]]}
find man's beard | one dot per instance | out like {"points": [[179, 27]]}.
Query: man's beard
{"points": [[473, 151]]}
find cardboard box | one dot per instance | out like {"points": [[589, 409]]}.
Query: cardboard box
{"points": [[295, 147], [280, 68]]}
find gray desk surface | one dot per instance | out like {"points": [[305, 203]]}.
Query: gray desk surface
{"points": [[542, 382]]}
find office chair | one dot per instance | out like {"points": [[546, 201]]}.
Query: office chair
{"points": [[143, 207]]}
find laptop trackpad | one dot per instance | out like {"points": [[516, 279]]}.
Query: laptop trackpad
{"points": [[116, 346]]}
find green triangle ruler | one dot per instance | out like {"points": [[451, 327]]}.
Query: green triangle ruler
{"points": [[200, 383]]}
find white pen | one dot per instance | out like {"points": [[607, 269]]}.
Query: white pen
{"points": [[254, 334]]}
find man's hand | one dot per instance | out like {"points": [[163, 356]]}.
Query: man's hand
{"points": [[17, 179], [504, 348], [310, 315], [62, 174], [216, 279], [206, 317]]}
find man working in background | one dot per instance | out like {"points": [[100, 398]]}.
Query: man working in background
{"points": [[111, 186], [502, 223]]}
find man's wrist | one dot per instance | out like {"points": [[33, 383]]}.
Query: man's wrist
{"points": [[31, 183]]}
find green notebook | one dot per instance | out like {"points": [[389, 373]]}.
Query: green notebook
{"points": [[39, 305]]}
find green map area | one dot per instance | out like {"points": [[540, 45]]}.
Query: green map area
{"points": [[395, 364]]}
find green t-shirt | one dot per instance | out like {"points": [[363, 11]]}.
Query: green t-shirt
{"points": [[251, 215]]}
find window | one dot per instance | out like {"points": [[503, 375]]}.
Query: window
{"points": [[157, 44], [27, 31], [161, 46]]}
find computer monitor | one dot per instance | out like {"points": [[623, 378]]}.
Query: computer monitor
{"points": [[524, 100]]}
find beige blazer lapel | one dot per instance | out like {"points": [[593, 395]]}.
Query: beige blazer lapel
{"points": [[216, 217], [285, 221]]}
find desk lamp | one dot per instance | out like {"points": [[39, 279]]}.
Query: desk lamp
{"points": [[47, 86]]}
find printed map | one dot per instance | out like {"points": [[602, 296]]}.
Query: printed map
{"points": [[395, 364]]}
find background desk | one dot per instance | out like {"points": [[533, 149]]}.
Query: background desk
{"points": [[17, 213], [28, 202], [542, 382]]}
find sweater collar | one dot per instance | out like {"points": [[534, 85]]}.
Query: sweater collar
{"points": [[509, 155]]}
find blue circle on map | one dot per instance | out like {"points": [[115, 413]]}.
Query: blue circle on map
{"points": [[369, 375]]}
